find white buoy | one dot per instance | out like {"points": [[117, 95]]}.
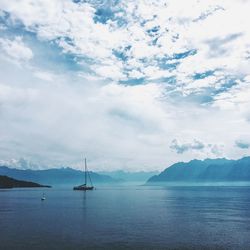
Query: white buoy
{"points": [[43, 197]]}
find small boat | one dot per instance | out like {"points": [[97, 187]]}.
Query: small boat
{"points": [[43, 197], [85, 187]]}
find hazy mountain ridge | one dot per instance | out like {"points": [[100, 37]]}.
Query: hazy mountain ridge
{"points": [[209, 170], [62, 176], [130, 176]]}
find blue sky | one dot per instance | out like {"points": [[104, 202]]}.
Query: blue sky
{"points": [[130, 84]]}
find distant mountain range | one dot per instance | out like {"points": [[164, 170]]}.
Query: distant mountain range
{"points": [[209, 170], [7, 182], [124, 176], [60, 176]]}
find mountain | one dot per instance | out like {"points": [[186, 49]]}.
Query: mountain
{"points": [[7, 182], [59, 176], [209, 170], [130, 176]]}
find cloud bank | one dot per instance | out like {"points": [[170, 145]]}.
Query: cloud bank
{"points": [[121, 81]]}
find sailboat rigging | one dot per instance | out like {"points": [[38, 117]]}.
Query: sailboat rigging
{"points": [[85, 186]]}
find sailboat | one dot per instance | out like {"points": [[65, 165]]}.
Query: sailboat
{"points": [[43, 197], [85, 186]]}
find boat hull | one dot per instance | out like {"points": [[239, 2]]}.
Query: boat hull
{"points": [[83, 188]]}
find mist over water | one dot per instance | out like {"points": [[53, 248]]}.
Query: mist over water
{"points": [[137, 217]]}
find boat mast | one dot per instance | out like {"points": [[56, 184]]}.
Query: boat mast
{"points": [[85, 171]]}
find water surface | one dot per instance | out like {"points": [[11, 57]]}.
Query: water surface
{"points": [[136, 217]]}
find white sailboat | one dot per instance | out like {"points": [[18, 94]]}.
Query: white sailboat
{"points": [[43, 197], [85, 186]]}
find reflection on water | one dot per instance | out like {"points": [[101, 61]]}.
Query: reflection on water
{"points": [[126, 217]]}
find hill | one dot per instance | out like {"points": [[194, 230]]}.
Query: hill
{"points": [[209, 170], [59, 176], [7, 182]]}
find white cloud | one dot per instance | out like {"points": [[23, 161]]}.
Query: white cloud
{"points": [[238, 97], [112, 72], [182, 148], [213, 150], [43, 75], [15, 96], [242, 144], [215, 29], [54, 113], [16, 49], [116, 126], [204, 26]]}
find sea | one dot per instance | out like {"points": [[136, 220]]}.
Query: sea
{"points": [[126, 217]]}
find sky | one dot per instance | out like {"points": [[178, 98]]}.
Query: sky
{"points": [[132, 85]]}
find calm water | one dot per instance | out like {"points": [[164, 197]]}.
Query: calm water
{"points": [[126, 217]]}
